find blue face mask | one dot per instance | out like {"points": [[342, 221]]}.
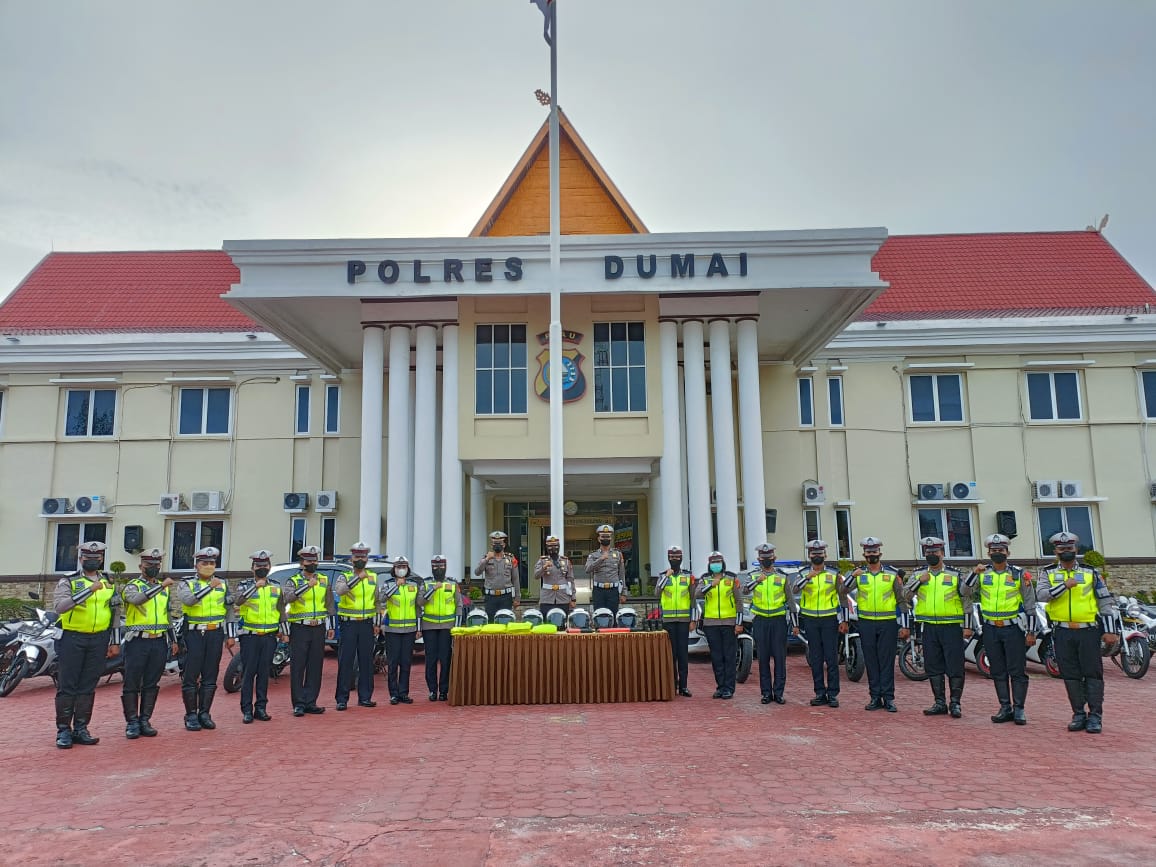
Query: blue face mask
{"points": [[716, 567]]}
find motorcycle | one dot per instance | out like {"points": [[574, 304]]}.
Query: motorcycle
{"points": [[911, 662], [1131, 653], [232, 679], [1146, 619], [851, 646], [35, 654], [697, 646]]}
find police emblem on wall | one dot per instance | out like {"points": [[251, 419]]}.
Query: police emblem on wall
{"points": [[573, 379]]}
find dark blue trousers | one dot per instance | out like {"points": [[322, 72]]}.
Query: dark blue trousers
{"points": [[355, 645], [823, 652]]}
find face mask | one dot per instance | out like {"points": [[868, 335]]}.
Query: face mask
{"points": [[261, 571], [818, 559], [359, 564], [675, 564], [90, 565], [439, 572], [998, 557], [767, 564], [933, 559], [206, 568], [400, 572], [604, 542], [309, 567], [152, 571], [872, 558], [716, 567], [498, 546], [1068, 556], [552, 552]]}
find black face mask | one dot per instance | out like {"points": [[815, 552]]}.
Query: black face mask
{"points": [[872, 558], [998, 557], [309, 567], [552, 552], [90, 565], [818, 560], [359, 564], [675, 564], [261, 571], [933, 559], [152, 571], [498, 546], [768, 563], [605, 543], [439, 572], [1068, 556]]}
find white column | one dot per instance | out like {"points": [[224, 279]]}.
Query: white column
{"points": [[425, 406], [452, 529], [398, 449], [723, 424], [478, 529], [683, 496], [372, 388], [670, 507], [410, 439], [751, 438], [656, 548], [697, 459]]}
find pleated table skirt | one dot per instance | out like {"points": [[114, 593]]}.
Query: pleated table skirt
{"points": [[561, 669]]}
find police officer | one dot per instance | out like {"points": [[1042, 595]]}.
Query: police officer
{"points": [[607, 570], [1080, 607], [883, 619], [1005, 591], [441, 606], [820, 590], [557, 576], [676, 598], [357, 593], [84, 600], [148, 637], [208, 628], [773, 606], [260, 609], [309, 609], [403, 600], [502, 580], [721, 608], [939, 593]]}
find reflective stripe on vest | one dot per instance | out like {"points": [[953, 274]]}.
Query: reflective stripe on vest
{"points": [[210, 609], [259, 612], [719, 605], [152, 615], [769, 598], [820, 596], [876, 599], [401, 607], [1078, 604], [999, 595], [675, 598], [938, 601], [91, 615], [309, 605], [442, 605], [360, 602]]}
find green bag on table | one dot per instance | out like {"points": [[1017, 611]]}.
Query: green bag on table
{"points": [[544, 629], [493, 629], [465, 630], [519, 628]]}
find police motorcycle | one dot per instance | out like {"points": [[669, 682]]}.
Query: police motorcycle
{"points": [[973, 651], [232, 679], [1043, 652], [9, 632], [911, 662], [851, 646], [1131, 653], [697, 644], [1146, 618]]}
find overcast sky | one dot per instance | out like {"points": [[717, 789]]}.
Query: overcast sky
{"points": [[157, 124]]}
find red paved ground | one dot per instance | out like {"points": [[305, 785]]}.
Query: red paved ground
{"points": [[695, 781]]}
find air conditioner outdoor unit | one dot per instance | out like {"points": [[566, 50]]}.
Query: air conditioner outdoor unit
{"points": [[813, 494], [1045, 490], [962, 491], [325, 501], [91, 505], [1071, 488], [206, 501], [55, 506], [930, 491], [172, 502], [295, 502]]}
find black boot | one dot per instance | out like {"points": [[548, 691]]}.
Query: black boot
{"points": [[956, 694], [1005, 714], [1005, 705], [64, 722], [1079, 722], [192, 721], [206, 703], [940, 706], [83, 714], [148, 703], [1077, 695], [131, 717], [1095, 724]]}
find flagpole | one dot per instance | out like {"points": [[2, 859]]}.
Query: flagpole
{"points": [[557, 519]]}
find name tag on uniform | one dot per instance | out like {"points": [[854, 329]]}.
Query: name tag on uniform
{"points": [[947, 582], [1010, 581], [987, 579], [778, 581], [864, 580], [830, 579]]}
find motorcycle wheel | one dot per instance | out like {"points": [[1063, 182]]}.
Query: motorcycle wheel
{"points": [[232, 679], [1050, 662], [1135, 657], [856, 664], [746, 656], [13, 676], [911, 662], [983, 663]]}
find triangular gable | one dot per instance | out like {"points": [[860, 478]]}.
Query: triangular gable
{"points": [[591, 203]]}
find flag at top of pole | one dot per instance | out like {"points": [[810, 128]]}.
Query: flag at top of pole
{"points": [[547, 7]]}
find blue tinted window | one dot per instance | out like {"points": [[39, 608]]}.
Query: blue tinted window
{"points": [[1067, 395], [1149, 380], [76, 414], [191, 413], [302, 410], [484, 402], [835, 399], [332, 409], [518, 387], [501, 390], [950, 398], [806, 404], [500, 370], [1040, 396], [922, 398], [619, 367], [217, 415], [103, 412]]}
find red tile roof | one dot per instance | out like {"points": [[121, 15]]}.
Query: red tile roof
{"points": [[1005, 274], [147, 291]]}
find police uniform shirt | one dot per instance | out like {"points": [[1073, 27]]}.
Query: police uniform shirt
{"points": [[902, 605], [63, 599], [609, 570], [965, 591], [710, 584], [500, 571], [138, 592], [388, 587], [246, 590], [754, 576], [803, 578], [183, 591], [1105, 602], [557, 577], [975, 580]]}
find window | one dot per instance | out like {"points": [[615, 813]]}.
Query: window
{"points": [[301, 425], [2, 395], [297, 527], [500, 370], [1147, 392], [620, 367], [835, 400], [68, 539], [806, 403], [90, 412], [843, 533], [190, 536], [332, 409], [1071, 519], [953, 526], [936, 397], [205, 411], [810, 525], [328, 537], [1053, 396]]}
